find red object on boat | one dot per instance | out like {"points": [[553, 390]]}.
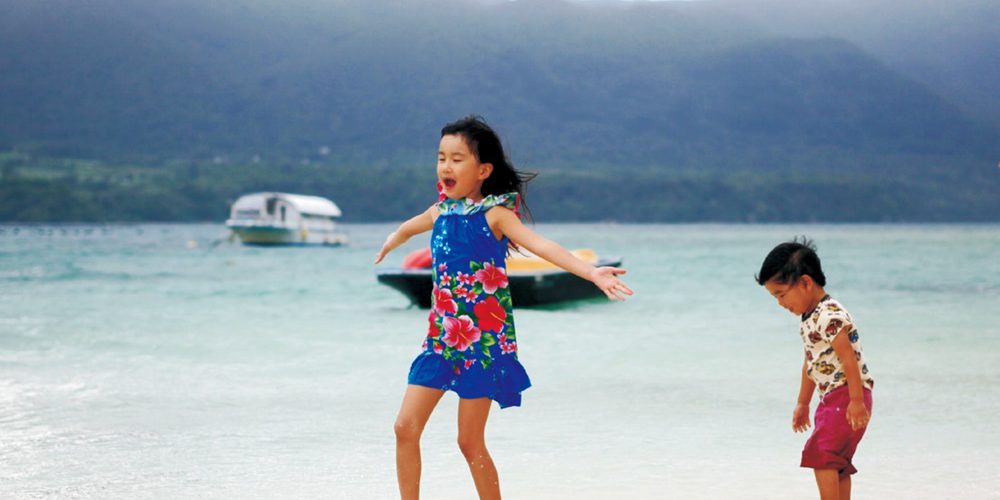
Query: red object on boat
{"points": [[418, 259]]}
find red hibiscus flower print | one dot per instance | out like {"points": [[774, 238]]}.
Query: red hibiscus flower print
{"points": [[438, 348], [508, 347], [432, 327], [492, 277], [460, 332], [441, 195], [464, 293], [468, 364], [490, 314], [443, 302], [442, 267]]}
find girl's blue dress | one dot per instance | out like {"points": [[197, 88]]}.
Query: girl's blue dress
{"points": [[471, 347]]}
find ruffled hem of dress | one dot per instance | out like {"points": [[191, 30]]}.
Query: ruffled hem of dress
{"points": [[503, 382], [466, 206]]}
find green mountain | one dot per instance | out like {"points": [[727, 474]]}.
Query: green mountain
{"points": [[951, 47], [692, 111]]}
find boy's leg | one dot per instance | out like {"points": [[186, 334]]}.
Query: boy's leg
{"points": [[472, 414], [418, 403], [845, 488], [830, 449], [828, 481]]}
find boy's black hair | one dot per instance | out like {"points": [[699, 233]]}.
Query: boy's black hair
{"points": [[790, 261], [486, 145]]}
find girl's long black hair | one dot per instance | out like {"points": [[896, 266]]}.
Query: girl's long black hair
{"points": [[485, 144]]}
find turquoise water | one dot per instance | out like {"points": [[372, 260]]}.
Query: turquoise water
{"points": [[159, 361]]}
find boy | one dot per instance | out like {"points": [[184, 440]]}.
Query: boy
{"points": [[834, 366]]}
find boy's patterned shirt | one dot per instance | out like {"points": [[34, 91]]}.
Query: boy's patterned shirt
{"points": [[818, 329]]}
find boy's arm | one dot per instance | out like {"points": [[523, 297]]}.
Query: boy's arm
{"points": [[857, 413], [800, 417], [419, 224], [508, 224]]}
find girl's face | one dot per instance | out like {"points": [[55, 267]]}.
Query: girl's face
{"points": [[459, 171], [799, 297]]}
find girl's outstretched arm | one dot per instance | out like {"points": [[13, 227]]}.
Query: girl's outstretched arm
{"points": [[421, 223], [504, 221]]}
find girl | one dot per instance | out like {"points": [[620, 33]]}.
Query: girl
{"points": [[471, 347]]}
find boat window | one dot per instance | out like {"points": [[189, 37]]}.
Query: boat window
{"points": [[317, 217], [283, 213], [270, 205], [247, 214]]}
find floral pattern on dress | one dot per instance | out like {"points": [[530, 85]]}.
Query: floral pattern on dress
{"points": [[471, 342], [471, 322], [475, 321], [465, 206]]}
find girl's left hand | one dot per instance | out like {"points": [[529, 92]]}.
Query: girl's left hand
{"points": [[606, 278]]}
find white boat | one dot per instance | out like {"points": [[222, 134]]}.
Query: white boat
{"points": [[285, 219]]}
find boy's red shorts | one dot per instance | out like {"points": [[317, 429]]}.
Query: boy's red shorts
{"points": [[833, 442]]}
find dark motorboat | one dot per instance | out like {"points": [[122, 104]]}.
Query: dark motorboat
{"points": [[533, 281]]}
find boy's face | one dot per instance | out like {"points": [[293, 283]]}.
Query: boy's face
{"points": [[459, 171], [797, 297]]}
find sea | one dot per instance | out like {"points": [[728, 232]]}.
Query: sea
{"points": [[167, 361]]}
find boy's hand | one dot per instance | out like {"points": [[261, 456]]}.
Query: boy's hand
{"points": [[607, 280], [800, 418], [857, 415]]}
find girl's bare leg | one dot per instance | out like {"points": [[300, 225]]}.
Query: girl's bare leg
{"points": [[418, 403], [828, 481], [472, 414]]}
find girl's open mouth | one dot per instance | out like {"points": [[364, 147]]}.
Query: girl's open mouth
{"points": [[448, 183]]}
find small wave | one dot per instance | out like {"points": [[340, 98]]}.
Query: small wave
{"points": [[25, 274], [957, 289], [71, 272]]}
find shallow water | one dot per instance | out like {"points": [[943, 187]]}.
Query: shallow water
{"points": [[160, 361]]}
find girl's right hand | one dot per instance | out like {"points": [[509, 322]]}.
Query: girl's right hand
{"points": [[386, 247], [800, 418], [420, 223]]}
